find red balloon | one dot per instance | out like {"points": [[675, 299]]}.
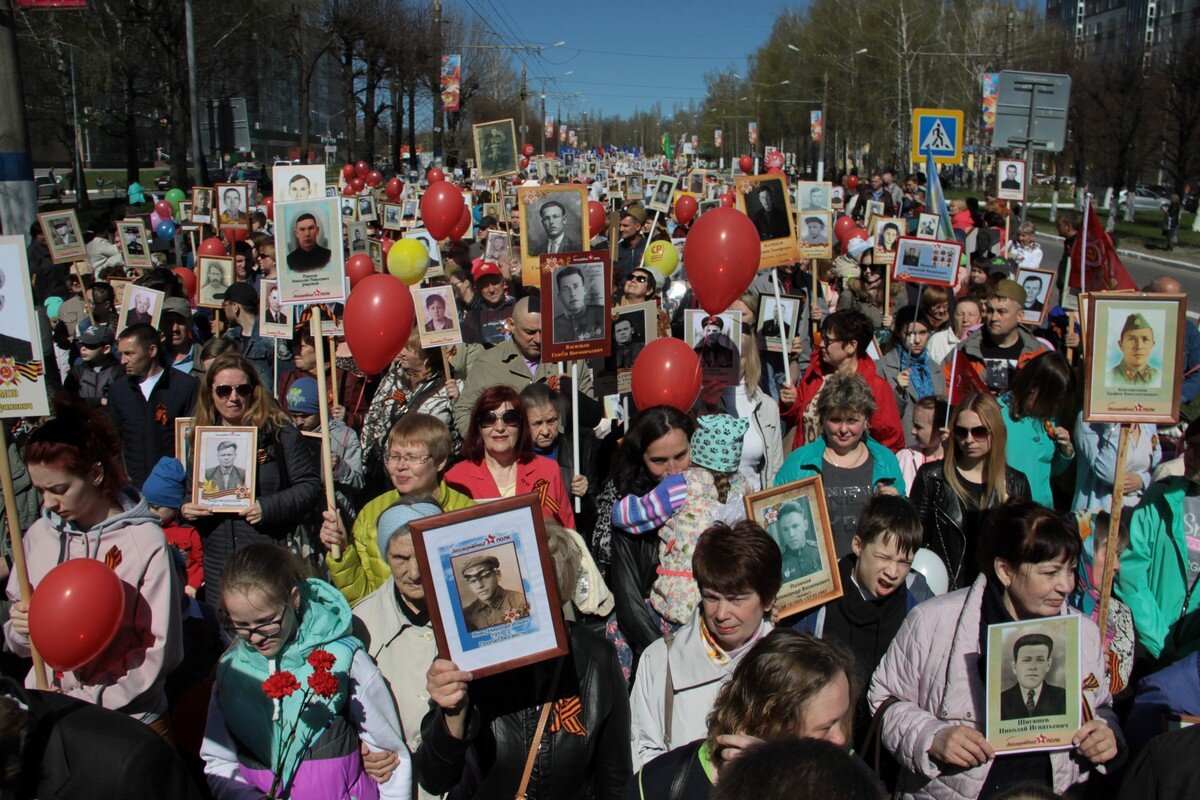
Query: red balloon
{"points": [[597, 217], [842, 228], [746, 164], [348, 171], [348, 190], [75, 612], [269, 206], [435, 175], [393, 188], [852, 183], [379, 319], [357, 184], [774, 171], [212, 247], [164, 209], [723, 254], [527, 150], [666, 373], [524, 162], [358, 267], [362, 169], [374, 178], [460, 227], [235, 234], [858, 233], [441, 208], [188, 279], [685, 209], [727, 199]]}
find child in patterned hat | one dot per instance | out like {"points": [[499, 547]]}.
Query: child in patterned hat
{"points": [[683, 506]]}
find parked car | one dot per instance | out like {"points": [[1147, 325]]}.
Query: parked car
{"points": [[1144, 199], [48, 188]]}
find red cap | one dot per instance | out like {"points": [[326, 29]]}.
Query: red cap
{"points": [[480, 269]]}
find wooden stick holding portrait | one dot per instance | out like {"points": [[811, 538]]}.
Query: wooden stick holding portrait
{"points": [[18, 549], [323, 409], [1114, 525]]}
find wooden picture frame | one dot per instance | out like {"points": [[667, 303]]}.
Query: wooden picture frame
{"points": [[63, 235], [139, 305], [495, 148], [577, 303], [1037, 306], [208, 289], [810, 571], [232, 206], [772, 217], [134, 243], [202, 206], [184, 438], [489, 542], [212, 487]]}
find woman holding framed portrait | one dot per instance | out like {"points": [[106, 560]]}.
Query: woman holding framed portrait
{"points": [[287, 469]]}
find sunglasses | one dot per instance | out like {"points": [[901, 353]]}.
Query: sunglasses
{"points": [[978, 432], [489, 418], [638, 278], [243, 390]]}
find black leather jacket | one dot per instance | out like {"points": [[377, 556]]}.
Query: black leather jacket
{"points": [[942, 518], [503, 714]]}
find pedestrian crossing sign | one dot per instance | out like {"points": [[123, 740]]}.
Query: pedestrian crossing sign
{"points": [[937, 131]]}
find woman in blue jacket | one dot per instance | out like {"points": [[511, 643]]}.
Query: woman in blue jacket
{"points": [[1037, 444]]}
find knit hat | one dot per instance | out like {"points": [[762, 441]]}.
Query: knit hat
{"points": [[1010, 290], [846, 267], [856, 247], [397, 517], [165, 485], [303, 397], [717, 442]]}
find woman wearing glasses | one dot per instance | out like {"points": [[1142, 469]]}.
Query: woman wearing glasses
{"points": [[303, 744], [288, 479], [414, 456], [91, 511], [955, 494], [639, 287], [499, 459]]}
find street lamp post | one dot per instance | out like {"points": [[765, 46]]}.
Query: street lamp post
{"points": [[519, 48]]}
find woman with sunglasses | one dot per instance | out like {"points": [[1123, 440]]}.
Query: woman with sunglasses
{"points": [[498, 458], [955, 495], [288, 480], [639, 287], [286, 623]]}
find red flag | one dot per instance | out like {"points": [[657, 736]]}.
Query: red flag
{"points": [[965, 381], [1105, 272]]}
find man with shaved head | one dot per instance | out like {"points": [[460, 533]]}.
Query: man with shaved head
{"points": [[515, 362], [1164, 284]]}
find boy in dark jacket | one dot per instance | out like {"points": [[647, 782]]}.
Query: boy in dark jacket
{"points": [[93, 376]]}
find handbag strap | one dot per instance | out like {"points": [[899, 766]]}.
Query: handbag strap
{"points": [[874, 738], [536, 744], [668, 693]]}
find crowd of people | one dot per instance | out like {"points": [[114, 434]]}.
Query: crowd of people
{"points": [[683, 677]]}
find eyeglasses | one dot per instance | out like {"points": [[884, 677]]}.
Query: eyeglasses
{"points": [[638, 278], [978, 432], [243, 390], [267, 630], [488, 419], [405, 459]]}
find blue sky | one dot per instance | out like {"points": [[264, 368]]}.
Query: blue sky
{"points": [[623, 54]]}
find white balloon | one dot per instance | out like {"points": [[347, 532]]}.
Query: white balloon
{"points": [[931, 567]]}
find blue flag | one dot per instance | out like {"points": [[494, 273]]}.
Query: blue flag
{"points": [[935, 199]]}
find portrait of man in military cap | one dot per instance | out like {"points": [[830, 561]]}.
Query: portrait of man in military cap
{"points": [[1136, 344], [494, 604]]}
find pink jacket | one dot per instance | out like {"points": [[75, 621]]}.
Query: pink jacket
{"points": [[130, 674], [936, 679]]}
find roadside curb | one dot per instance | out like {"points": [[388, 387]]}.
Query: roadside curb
{"points": [[1154, 259]]}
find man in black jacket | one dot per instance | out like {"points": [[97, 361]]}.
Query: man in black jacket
{"points": [[144, 403]]}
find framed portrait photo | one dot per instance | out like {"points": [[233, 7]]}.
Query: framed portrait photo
{"points": [[837, 198], [274, 318], [1037, 284], [366, 208], [202, 205], [431, 246], [348, 208], [813, 196], [932, 262], [498, 248], [23, 377], [1034, 684], [576, 286], [927, 226], [63, 235], [816, 234], [765, 199], [225, 458], [135, 245], [553, 220], [298, 181], [233, 206], [695, 182], [139, 306], [185, 213], [437, 316], [886, 231], [795, 516], [662, 193], [410, 210], [635, 187], [184, 438], [717, 340], [311, 265], [874, 211], [214, 274], [495, 148], [356, 238], [632, 328], [392, 216], [375, 251], [1135, 357], [1010, 179], [490, 586], [769, 313]]}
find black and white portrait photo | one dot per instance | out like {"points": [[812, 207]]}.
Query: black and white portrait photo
{"points": [[661, 193], [813, 196], [554, 220], [275, 319], [356, 238], [135, 245], [298, 181], [814, 229], [577, 297], [233, 206], [366, 208], [349, 206], [226, 456], [767, 209], [202, 205], [391, 217], [716, 338], [214, 274], [1010, 179]]}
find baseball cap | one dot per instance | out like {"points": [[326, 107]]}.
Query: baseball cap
{"points": [[241, 293], [177, 306], [96, 336], [480, 269]]}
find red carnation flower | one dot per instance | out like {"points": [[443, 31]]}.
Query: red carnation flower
{"points": [[323, 683], [321, 659], [280, 685]]}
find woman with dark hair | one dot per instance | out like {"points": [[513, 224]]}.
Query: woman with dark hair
{"points": [[287, 484], [789, 684], [1038, 445], [933, 674], [91, 511], [498, 458], [955, 494], [907, 367]]}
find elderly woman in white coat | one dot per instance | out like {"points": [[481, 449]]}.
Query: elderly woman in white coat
{"points": [[738, 571], [931, 678]]}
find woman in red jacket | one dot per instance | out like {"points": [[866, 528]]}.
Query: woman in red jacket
{"points": [[498, 459]]}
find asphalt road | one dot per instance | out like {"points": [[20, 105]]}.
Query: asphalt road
{"points": [[1142, 270]]}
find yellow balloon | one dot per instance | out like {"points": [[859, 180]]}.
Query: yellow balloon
{"points": [[662, 257], [407, 260]]}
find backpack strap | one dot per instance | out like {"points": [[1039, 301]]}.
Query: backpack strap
{"points": [[668, 693]]}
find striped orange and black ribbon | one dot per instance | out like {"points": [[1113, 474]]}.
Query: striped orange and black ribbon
{"points": [[567, 713]]}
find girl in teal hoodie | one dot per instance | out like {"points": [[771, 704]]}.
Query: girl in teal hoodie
{"points": [[1037, 444], [295, 663]]}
